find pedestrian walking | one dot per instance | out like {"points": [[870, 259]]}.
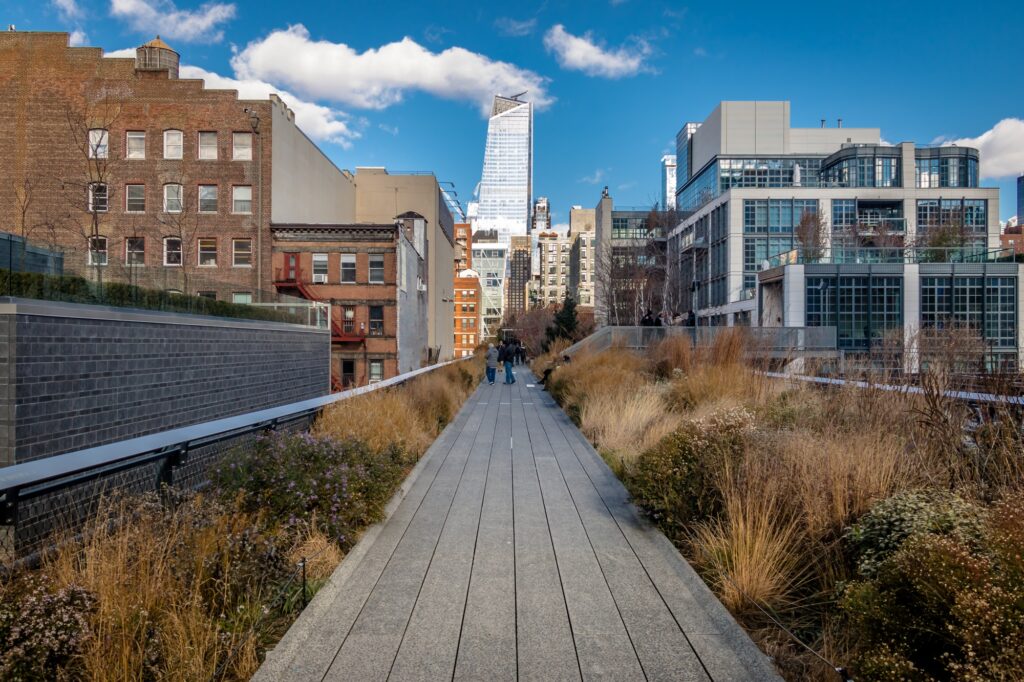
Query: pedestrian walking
{"points": [[522, 353], [492, 363], [505, 356]]}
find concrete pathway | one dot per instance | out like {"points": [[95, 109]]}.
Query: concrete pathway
{"points": [[513, 552]]}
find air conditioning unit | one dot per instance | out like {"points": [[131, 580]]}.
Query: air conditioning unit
{"points": [[319, 279]]}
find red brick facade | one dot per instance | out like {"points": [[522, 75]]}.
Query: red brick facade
{"points": [[467, 295], [53, 96]]}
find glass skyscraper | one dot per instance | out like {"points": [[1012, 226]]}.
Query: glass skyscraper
{"points": [[506, 183]]}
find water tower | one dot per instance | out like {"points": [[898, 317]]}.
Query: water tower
{"points": [[156, 55]]}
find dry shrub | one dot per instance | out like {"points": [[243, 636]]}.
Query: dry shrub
{"points": [[627, 421], [598, 374], [673, 353], [379, 419], [728, 348], [753, 551], [553, 355], [320, 551], [715, 383]]}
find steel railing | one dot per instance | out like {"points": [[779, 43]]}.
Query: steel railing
{"points": [[62, 491]]}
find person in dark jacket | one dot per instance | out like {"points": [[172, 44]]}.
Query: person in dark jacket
{"points": [[505, 356]]}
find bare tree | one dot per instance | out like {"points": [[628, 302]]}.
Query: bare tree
{"points": [[811, 233], [87, 189], [183, 227]]}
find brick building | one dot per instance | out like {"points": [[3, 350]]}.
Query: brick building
{"points": [[139, 176], [468, 333], [519, 274], [373, 277]]}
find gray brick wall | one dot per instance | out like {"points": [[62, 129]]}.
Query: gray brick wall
{"points": [[73, 377]]}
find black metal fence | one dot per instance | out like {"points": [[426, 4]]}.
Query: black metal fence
{"points": [[60, 493]]}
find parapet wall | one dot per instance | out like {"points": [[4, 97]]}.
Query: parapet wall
{"points": [[76, 376]]}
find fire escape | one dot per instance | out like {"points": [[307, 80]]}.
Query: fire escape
{"points": [[289, 280]]}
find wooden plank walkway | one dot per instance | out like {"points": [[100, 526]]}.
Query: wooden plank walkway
{"points": [[514, 553]]}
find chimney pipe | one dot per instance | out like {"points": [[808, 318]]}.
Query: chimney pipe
{"points": [[840, 123], [822, 123]]}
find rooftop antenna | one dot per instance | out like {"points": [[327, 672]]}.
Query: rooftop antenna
{"points": [[516, 97]]}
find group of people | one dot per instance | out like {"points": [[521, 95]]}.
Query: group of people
{"points": [[664, 319], [507, 354]]}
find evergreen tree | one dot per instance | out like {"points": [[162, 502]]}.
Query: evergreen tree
{"points": [[565, 322]]}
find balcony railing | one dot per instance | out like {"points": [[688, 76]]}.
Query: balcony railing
{"points": [[841, 255]]}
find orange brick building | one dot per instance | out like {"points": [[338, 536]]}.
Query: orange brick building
{"points": [[372, 276], [467, 294], [139, 176]]}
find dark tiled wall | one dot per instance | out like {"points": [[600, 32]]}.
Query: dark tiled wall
{"points": [[69, 383]]}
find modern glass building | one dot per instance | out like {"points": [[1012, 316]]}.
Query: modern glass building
{"points": [[506, 183], [753, 187], [490, 260]]}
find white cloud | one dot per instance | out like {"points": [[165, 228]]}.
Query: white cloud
{"points": [[68, 9], [380, 77], [390, 130], [700, 52], [319, 122], [582, 53], [513, 27], [1001, 148], [594, 177], [164, 18], [78, 38], [118, 54]]}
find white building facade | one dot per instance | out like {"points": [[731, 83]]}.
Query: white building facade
{"points": [[506, 182], [490, 260], [668, 182]]}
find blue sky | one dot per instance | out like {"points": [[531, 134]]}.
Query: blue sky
{"points": [[404, 84]]}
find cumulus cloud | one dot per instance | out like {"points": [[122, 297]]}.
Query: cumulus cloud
{"points": [[162, 16], [1001, 148], [583, 53], [594, 178], [119, 54], [78, 38], [378, 78], [68, 9], [513, 27], [319, 122]]}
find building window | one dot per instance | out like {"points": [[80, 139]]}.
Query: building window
{"points": [[208, 252], [319, 268], [135, 145], [348, 316], [135, 251], [348, 268], [241, 253], [376, 371], [376, 268], [99, 144], [98, 198], [172, 251], [207, 198], [376, 320], [241, 297], [208, 146], [241, 146], [135, 198], [172, 198], [212, 295], [97, 251], [173, 144], [241, 199]]}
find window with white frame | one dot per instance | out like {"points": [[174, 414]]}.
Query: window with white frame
{"points": [[135, 144], [174, 143], [241, 253], [135, 198], [241, 146], [135, 251], [376, 371], [172, 198], [241, 297], [376, 320], [376, 268], [208, 146], [99, 144], [241, 199], [97, 250], [348, 268], [98, 198], [319, 268], [172, 251], [207, 252], [207, 198]]}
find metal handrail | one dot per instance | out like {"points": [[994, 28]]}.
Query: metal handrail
{"points": [[30, 480]]}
